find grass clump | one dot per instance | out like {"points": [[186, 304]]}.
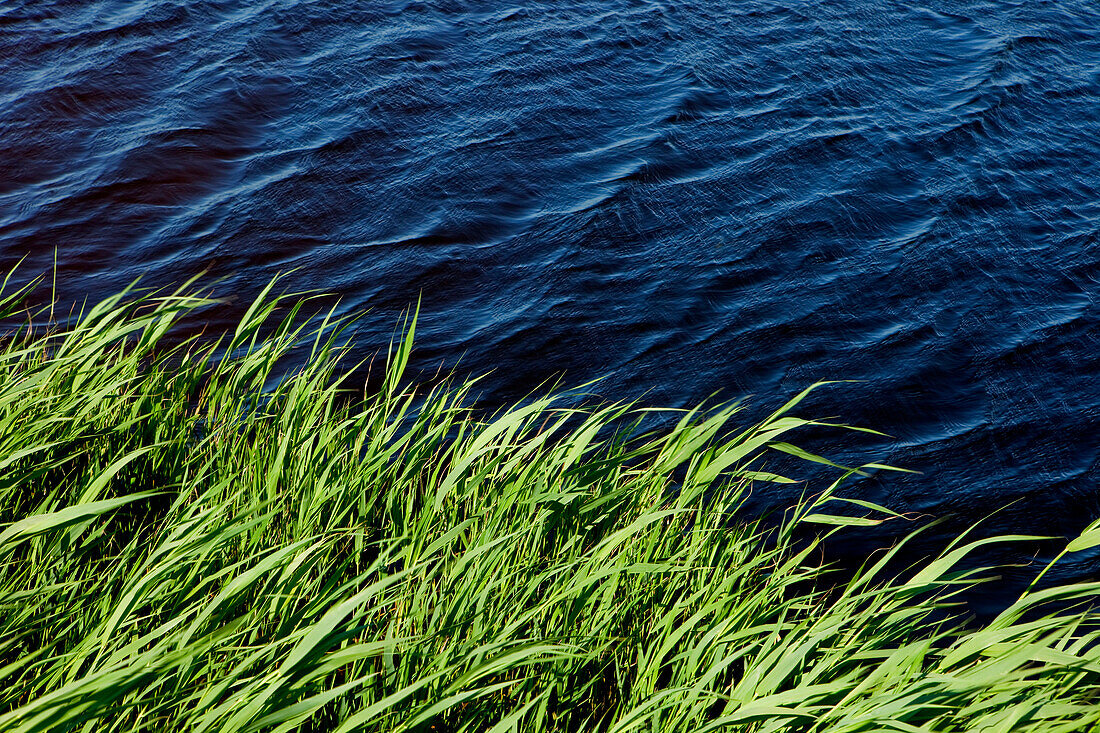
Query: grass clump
{"points": [[190, 544]]}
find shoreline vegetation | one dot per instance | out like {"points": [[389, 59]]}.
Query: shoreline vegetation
{"points": [[190, 544]]}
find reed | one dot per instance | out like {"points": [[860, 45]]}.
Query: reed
{"points": [[189, 543]]}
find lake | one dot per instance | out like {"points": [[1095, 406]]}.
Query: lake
{"points": [[685, 198]]}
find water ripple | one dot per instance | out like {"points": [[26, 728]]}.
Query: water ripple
{"points": [[688, 198]]}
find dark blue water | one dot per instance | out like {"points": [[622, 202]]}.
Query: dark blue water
{"points": [[685, 197]]}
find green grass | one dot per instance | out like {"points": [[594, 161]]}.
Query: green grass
{"points": [[182, 549]]}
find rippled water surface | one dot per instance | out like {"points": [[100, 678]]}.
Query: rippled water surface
{"points": [[688, 197]]}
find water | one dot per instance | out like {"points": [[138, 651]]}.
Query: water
{"points": [[687, 198]]}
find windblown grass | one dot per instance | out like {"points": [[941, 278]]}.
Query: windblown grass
{"points": [[183, 550]]}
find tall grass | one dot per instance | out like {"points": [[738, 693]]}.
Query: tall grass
{"points": [[184, 549]]}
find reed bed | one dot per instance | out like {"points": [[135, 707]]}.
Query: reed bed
{"points": [[191, 540]]}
